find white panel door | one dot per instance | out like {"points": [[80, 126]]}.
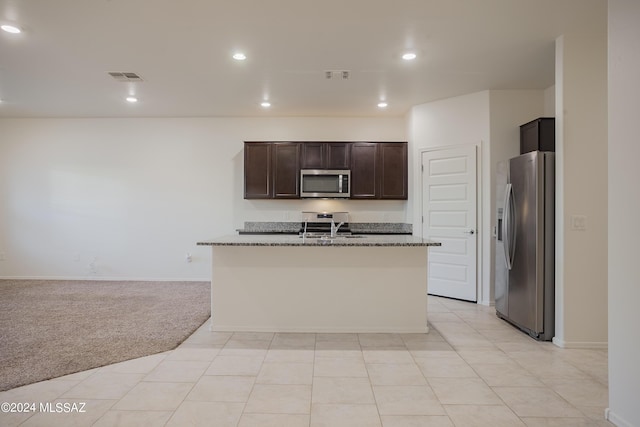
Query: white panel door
{"points": [[449, 217]]}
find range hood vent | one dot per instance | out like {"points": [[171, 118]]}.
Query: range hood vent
{"points": [[337, 74], [122, 76]]}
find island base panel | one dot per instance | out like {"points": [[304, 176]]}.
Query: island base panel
{"points": [[319, 289]]}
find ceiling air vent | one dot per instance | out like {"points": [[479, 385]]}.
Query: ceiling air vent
{"points": [[125, 77], [337, 74]]}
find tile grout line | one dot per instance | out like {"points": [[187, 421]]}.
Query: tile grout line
{"points": [[313, 376], [528, 372], [375, 399], [578, 360], [255, 381], [166, 356], [427, 379]]}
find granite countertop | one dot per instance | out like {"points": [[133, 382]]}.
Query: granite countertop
{"points": [[294, 240]]}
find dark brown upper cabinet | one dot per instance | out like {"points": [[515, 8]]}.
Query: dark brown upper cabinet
{"points": [[338, 155], [258, 171], [393, 171], [364, 170], [538, 134], [271, 170], [325, 155], [286, 170], [379, 170]]}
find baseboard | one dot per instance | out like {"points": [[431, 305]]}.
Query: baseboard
{"points": [[487, 303], [578, 344], [322, 330], [110, 279], [613, 418]]}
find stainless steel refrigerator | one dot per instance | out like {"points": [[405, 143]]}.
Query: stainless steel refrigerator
{"points": [[525, 241]]}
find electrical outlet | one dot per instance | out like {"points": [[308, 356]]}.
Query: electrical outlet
{"points": [[93, 266], [93, 269], [187, 257]]}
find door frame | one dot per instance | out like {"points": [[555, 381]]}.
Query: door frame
{"points": [[483, 241]]}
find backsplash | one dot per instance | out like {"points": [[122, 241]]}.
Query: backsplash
{"points": [[271, 227], [356, 227], [381, 227]]}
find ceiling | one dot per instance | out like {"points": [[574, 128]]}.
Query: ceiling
{"points": [[58, 66]]}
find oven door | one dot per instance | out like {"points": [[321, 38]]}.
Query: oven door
{"points": [[321, 183]]}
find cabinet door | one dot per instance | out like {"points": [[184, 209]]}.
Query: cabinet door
{"points": [[393, 171], [338, 155], [364, 166], [325, 155], [286, 170], [539, 135], [257, 171], [312, 155]]}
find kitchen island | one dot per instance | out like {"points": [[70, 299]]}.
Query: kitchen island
{"points": [[292, 284]]}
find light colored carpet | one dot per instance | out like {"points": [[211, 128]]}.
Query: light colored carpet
{"points": [[54, 328]]}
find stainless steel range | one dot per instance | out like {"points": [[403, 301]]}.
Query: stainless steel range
{"points": [[318, 224]]}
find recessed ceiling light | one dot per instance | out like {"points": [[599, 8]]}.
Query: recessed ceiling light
{"points": [[382, 104], [265, 104], [409, 56], [132, 99], [11, 29], [239, 56]]}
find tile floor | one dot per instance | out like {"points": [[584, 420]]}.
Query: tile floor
{"points": [[472, 369]]}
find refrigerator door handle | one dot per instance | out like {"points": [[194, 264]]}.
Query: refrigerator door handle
{"points": [[508, 231]]}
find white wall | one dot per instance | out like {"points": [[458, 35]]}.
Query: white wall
{"points": [[550, 101], [128, 198], [581, 183], [463, 120], [490, 119], [624, 205]]}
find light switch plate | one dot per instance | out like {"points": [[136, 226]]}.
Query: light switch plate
{"points": [[579, 222]]}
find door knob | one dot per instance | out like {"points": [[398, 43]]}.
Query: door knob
{"points": [[470, 232]]}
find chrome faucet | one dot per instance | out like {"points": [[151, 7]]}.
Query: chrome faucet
{"points": [[335, 228]]}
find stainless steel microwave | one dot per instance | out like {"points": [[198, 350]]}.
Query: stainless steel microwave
{"points": [[325, 183]]}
